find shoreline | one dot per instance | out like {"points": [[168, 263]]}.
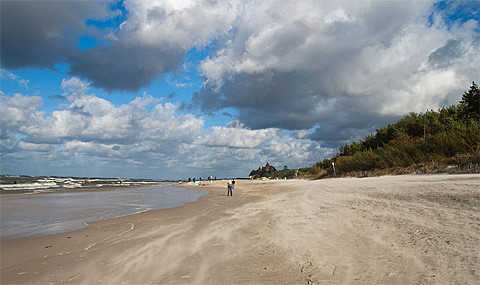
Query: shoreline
{"points": [[28, 214], [393, 229]]}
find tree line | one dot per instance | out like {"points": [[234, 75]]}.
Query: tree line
{"points": [[418, 143]]}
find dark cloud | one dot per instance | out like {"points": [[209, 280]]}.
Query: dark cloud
{"points": [[125, 66], [270, 99], [60, 97], [294, 101], [79, 110], [43, 33], [443, 56], [347, 127]]}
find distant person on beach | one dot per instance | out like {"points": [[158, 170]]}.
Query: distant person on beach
{"points": [[233, 183], [229, 187]]}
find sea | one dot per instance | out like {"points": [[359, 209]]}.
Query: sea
{"points": [[36, 206]]}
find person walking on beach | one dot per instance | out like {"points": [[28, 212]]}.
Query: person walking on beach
{"points": [[229, 187]]}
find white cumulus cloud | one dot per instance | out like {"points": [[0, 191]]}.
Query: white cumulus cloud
{"points": [[145, 137]]}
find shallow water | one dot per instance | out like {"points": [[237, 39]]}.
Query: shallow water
{"points": [[57, 212]]}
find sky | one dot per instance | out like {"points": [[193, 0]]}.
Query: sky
{"points": [[174, 89]]}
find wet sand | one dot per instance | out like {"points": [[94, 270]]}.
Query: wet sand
{"points": [[24, 215], [412, 229]]}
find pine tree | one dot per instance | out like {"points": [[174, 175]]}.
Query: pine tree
{"points": [[471, 102]]}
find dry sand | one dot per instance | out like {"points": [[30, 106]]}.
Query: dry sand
{"points": [[422, 229]]}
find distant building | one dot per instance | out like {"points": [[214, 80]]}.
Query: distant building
{"points": [[265, 171], [268, 168]]}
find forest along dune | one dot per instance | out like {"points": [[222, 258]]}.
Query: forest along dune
{"points": [[412, 229]]}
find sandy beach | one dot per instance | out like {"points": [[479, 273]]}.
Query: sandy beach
{"points": [[411, 229]]}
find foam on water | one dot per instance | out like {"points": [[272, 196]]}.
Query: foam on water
{"points": [[16, 184]]}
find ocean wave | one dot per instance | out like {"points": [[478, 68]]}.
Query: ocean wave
{"points": [[15, 184]]}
